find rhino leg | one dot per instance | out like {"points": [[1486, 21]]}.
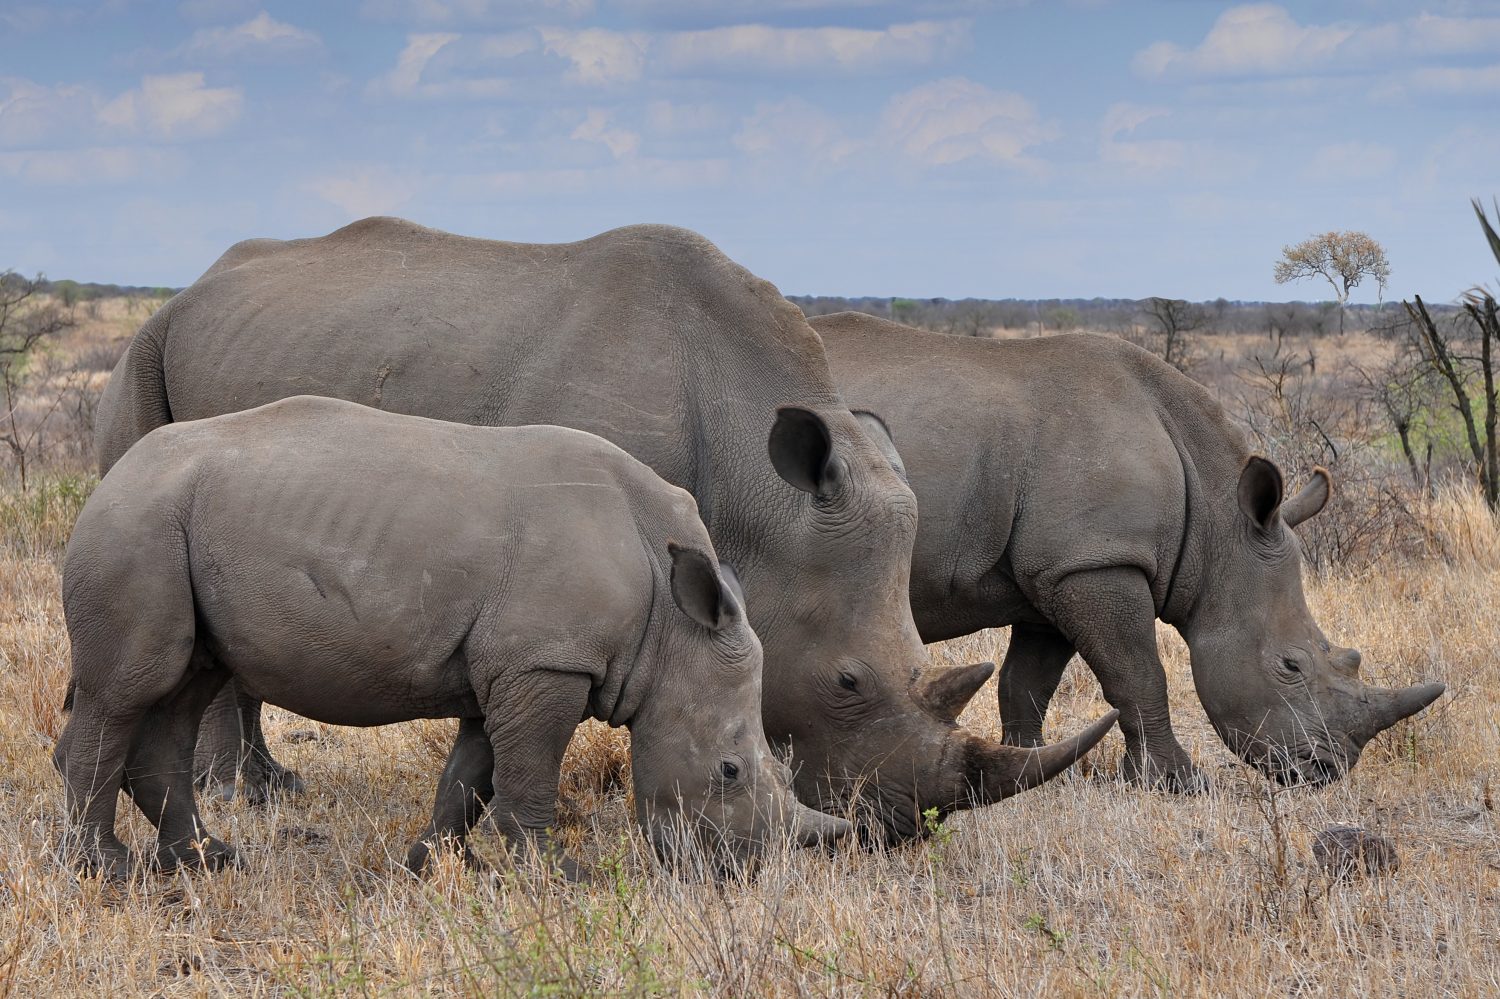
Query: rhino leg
{"points": [[465, 788], [159, 773], [1111, 619], [530, 721], [231, 744], [1033, 667], [90, 755]]}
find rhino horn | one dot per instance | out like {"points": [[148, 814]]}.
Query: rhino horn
{"points": [[1387, 707], [1313, 497], [949, 692], [815, 828], [995, 771]]}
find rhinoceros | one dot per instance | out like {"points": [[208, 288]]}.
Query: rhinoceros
{"points": [[363, 568], [651, 338], [1077, 488]]}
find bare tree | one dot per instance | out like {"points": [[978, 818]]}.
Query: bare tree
{"points": [[1175, 320], [1404, 389], [25, 323], [1343, 259], [1445, 348]]}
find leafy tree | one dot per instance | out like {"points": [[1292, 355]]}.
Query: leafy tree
{"points": [[1343, 259]]}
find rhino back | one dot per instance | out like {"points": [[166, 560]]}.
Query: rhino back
{"points": [[1032, 459], [648, 322]]}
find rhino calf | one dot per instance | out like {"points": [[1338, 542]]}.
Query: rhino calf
{"points": [[363, 568]]}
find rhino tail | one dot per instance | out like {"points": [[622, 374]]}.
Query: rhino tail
{"points": [[68, 697], [134, 402]]}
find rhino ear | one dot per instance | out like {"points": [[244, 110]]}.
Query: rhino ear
{"points": [[880, 436], [1313, 498], [732, 580], [801, 449], [1260, 491], [697, 588]]}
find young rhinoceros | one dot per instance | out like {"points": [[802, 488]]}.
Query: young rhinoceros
{"points": [[362, 568]]}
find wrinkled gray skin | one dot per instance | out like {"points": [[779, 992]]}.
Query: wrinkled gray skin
{"points": [[649, 337], [1077, 488], [363, 568]]}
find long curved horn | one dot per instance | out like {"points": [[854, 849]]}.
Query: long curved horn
{"points": [[994, 771], [949, 692], [1312, 498], [1387, 707], [815, 828]]}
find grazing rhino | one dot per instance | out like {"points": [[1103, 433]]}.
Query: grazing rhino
{"points": [[651, 338], [1077, 488], [363, 568]]}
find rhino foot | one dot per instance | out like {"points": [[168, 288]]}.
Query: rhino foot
{"points": [[272, 780], [109, 861], [256, 784], [419, 858], [1174, 778], [208, 854]]}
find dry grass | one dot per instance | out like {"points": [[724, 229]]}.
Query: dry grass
{"points": [[1084, 887]]}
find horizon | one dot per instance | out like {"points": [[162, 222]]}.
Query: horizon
{"points": [[1151, 149]]}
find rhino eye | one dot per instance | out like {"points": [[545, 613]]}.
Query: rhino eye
{"points": [[728, 770], [848, 681], [1290, 665]]}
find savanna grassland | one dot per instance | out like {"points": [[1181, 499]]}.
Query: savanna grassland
{"points": [[1085, 887]]}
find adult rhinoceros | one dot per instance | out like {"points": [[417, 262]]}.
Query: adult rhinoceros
{"points": [[1077, 488], [651, 338]]}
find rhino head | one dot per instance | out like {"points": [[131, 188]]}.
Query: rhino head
{"points": [[1277, 692], [922, 765], [867, 737], [709, 793]]}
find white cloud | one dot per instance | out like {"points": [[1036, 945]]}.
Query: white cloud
{"points": [[457, 12], [1347, 161], [452, 64], [795, 132], [595, 127], [261, 36], [174, 106], [92, 165], [598, 56], [215, 10], [764, 49], [1124, 118], [364, 191], [1139, 155], [669, 118], [32, 112], [405, 78], [634, 175], [955, 119], [1264, 39], [1122, 152], [1457, 80]]}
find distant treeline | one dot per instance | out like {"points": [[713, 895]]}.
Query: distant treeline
{"points": [[978, 316], [88, 291]]}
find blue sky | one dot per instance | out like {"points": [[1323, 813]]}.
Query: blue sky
{"points": [[993, 148]]}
